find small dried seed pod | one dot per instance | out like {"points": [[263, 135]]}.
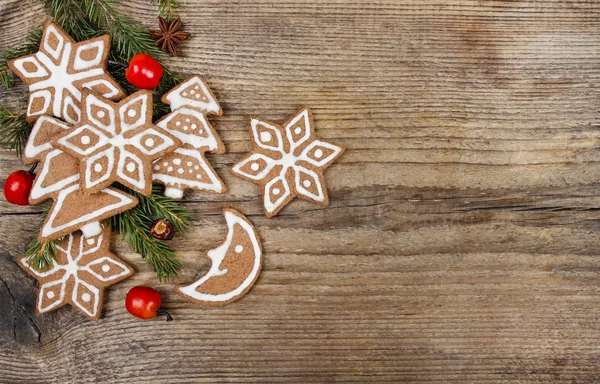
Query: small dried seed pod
{"points": [[162, 229]]}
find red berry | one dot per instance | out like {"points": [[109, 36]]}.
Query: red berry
{"points": [[144, 302], [17, 187], [144, 71]]}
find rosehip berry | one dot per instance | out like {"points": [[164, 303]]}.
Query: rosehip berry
{"points": [[18, 186], [144, 71]]}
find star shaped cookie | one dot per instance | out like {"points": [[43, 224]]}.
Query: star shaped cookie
{"points": [[116, 142], [83, 268], [288, 161], [61, 68]]}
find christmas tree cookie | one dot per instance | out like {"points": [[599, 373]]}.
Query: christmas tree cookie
{"points": [[187, 167]]}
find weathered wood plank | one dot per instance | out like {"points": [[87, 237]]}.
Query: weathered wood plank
{"points": [[461, 241]]}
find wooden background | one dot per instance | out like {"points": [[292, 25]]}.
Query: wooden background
{"points": [[462, 239]]}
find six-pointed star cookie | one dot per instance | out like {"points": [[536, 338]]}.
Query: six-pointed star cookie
{"points": [[288, 161], [116, 142], [83, 268], [61, 68]]}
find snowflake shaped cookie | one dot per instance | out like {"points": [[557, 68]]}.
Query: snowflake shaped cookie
{"points": [[116, 142], [61, 68], [288, 161], [83, 268]]}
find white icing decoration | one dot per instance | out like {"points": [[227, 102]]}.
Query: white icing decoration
{"points": [[97, 167], [49, 229], [210, 142], [131, 104], [156, 167], [100, 114], [131, 113], [91, 229], [266, 128], [52, 65], [90, 241], [40, 71], [313, 152], [177, 97], [294, 140], [85, 140], [239, 249], [265, 137], [111, 137], [38, 191], [214, 183], [79, 63], [71, 270], [42, 94], [51, 31], [112, 89], [105, 268], [217, 256], [31, 149]]}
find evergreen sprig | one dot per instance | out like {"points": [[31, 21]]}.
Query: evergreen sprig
{"points": [[83, 20], [14, 130], [134, 226], [167, 8], [41, 256], [31, 45]]}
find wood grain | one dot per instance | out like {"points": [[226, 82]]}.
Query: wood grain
{"points": [[461, 243]]}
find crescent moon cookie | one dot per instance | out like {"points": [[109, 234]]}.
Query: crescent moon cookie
{"points": [[58, 72], [235, 267], [83, 268], [287, 161]]}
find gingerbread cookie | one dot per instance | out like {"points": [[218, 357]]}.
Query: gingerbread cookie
{"points": [[235, 265], [116, 142], [187, 167], [83, 268], [61, 68], [288, 161], [193, 92], [58, 179]]}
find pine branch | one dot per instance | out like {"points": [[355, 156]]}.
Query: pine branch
{"points": [[166, 8], [69, 15], [30, 46], [159, 206], [128, 38], [41, 256], [14, 130], [134, 226]]}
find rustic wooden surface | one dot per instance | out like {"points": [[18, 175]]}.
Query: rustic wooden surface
{"points": [[461, 244]]}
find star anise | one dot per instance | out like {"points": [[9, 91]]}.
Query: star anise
{"points": [[169, 36]]}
